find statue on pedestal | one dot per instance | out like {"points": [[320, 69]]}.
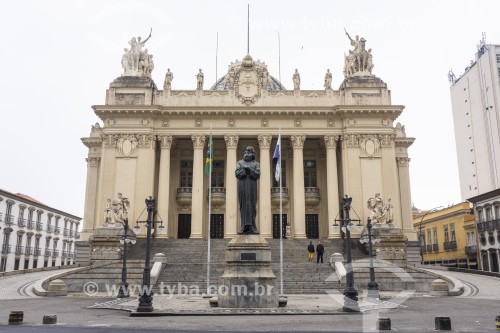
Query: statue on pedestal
{"points": [[359, 62], [328, 80], [199, 80], [380, 212], [135, 61], [296, 80], [248, 172], [169, 77]]}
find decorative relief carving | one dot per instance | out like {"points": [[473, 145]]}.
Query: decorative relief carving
{"points": [[165, 141], [370, 146], [351, 122], [400, 131], [231, 123], [145, 122], [331, 141], [351, 140], [264, 123], [198, 141], [109, 140], [165, 123], [403, 161], [264, 141], [111, 122], [330, 122], [387, 140], [93, 161], [231, 141], [127, 145], [297, 123], [298, 141], [197, 123], [146, 140], [246, 81]]}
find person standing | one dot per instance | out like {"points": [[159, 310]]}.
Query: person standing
{"points": [[320, 249], [310, 249]]}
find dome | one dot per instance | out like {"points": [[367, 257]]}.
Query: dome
{"points": [[224, 82]]}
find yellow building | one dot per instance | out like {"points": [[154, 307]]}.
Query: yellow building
{"points": [[447, 236]]}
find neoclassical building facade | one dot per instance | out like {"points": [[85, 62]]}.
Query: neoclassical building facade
{"points": [[153, 142]]}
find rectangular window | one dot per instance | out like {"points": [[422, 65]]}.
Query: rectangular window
{"points": [[186, 174], [435, 235], [429, 239], [452, 232], [310, 175], [497, 212], [446, 234], [489, 216], [217, 173]]}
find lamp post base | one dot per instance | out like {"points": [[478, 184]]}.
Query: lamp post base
{"points": [[350, 300], [373, 290], [123, 291], [145, 303]]}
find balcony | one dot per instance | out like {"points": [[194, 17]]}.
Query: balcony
{"points": [[471, 250], [48, 252], [488, 225], [9, 219], [71, 255], [275, 196], [5, 248], [453, 245], [39, 226], [31, 224], [71, 233], [64, 253], [218, 196], [21, 222], [66, 232], [435, 247], [50, 228], [29, 250], [429, 248], [312, 196], [184, 196], [37, 251], [55, 253], [19, 249], [446, 246], [77, 234], [57, 230]]}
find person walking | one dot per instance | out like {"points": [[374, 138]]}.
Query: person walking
{"points": [[320, 249], [310, 249]]}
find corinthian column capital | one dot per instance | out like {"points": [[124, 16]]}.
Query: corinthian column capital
{"points": [[198, 141], [264, 141], [231, 141], [331, 141], [298, 141]]}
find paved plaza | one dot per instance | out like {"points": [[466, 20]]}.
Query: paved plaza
{"points": [[475, 310]]}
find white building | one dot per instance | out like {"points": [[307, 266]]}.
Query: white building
{"points": [[33, 234], [475, 100]]}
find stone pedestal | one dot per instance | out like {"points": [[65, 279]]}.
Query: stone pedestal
{"points": [[105, 243], [392, 245], [248, 280]]}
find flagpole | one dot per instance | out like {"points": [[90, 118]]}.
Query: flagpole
{"points": [[281, 221], [210, 148]]}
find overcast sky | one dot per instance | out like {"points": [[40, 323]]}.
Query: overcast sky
{"points": [[58, 58]]}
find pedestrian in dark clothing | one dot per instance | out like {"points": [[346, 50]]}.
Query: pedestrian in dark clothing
{"points": [[310, 250], [320, 249]]}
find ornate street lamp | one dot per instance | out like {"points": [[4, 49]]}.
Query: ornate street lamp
{"points": [[350, 292], [146, 298], [420, 232], [124, 240], [373, 291]]}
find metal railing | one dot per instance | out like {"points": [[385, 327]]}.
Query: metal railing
{"points": [[435, 247], [29, 250], [453, 245], [71, 255], [5, 248], [77, 235], [55, 253], [39, 226], [66, 232], [19, 249], [50, 228], [57, 230], [429, 248], [9, 219], [488, 225], [37, 251], [31, 224], [471, 250], [48, 252], [446, 245], [21, 222]]}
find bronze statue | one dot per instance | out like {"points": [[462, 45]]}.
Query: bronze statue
{"points": [[248, 172]]}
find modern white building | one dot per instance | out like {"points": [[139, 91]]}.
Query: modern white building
{"points": [[34, 235], [475, 100]]}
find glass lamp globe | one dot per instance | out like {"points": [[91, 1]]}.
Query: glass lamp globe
{"points": [[344, 230], [359, 227], [350, 226], [121, 241], [137, 229], [161, 229], [335, 228], [133, 241]]}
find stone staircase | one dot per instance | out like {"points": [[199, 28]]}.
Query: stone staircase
{"points": [[187, 262]]}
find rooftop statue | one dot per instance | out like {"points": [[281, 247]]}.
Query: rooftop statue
{"points": [[359, 61], [296, 80], [199, 80], [328, 80], [135, 61], [169, 76]]}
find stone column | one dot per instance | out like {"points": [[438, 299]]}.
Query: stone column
{"points": [[90, 197], [265, 219], [299, 209], [197, 210], [164, 183], [231, 218], [332, 183], [404, 189]]}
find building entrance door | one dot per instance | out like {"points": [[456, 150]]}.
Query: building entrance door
{"points": [[312, 230], [276, 226], [494, 262], [216, 225], [184, 226]]}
